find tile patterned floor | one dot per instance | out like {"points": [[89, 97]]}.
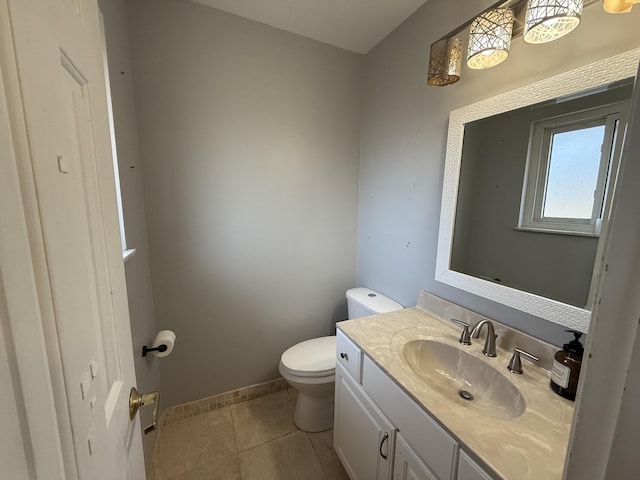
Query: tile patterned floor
{"points": [[254, 440]]}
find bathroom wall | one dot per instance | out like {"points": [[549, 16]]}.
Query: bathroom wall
{"points": [[249, 141], [137, 267], [404, 129]]}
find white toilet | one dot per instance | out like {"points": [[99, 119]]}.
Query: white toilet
{"points": [[310, 366]]}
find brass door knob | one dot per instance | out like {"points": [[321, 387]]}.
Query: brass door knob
{"points": [[136, 401]]}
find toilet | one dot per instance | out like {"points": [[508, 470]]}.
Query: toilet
{"points": [[310, 366]]}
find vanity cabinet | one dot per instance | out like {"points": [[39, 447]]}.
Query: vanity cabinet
{"points": [[407, 465], [363, 437], [437, 449], [470, 470], [381, 433], [349, 356]]}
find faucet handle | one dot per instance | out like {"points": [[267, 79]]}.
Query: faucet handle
{"points": [[515, 365], [465, 336]]}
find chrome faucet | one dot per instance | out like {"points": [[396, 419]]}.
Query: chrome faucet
{"points": [[490, 343]]}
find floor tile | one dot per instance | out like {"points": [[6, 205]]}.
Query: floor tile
{"points": [[323, 445], [263, 419], [193, 442], [227, 468], [287, 458]]}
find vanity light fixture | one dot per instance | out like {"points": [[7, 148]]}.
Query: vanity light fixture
{"points": [[445, 62], [618, 6], [490, 38], [548, 20], [491, 32]]}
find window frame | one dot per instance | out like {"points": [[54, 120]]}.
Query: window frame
{"points": [[613, 118]]}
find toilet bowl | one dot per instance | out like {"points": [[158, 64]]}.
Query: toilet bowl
{"points": [[309, 366]]}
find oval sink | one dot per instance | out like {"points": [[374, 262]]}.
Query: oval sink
{"points": [[460, 376]]}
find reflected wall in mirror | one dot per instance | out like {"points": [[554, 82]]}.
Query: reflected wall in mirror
{"points": [[501, 235], [491, 239]]}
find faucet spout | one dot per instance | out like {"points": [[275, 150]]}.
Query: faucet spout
{"points": [[490, 343]]}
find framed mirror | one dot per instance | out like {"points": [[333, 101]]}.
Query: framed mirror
{"points": [[523, 219]]}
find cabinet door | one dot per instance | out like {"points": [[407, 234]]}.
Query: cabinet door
{"points": [[470, 470], [363, 437], [407, 465], [431, 443]]}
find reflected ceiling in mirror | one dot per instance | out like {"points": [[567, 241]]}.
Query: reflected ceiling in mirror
{"points": [[486, 246]]}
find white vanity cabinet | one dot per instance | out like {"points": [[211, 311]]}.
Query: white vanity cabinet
{"points": [[381, 433], [362, 437], [437, 449], [349, 356], [470, 470], [407, 465]]}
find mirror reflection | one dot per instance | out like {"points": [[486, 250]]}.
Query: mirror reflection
{"points": [[535, 189]]}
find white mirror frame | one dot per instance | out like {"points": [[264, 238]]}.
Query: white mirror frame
{"points": [[590, 76]]}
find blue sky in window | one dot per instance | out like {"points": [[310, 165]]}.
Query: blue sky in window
{"points": [[573, 173]]}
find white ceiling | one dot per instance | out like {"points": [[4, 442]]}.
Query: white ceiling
{"points": [[356, 25]]}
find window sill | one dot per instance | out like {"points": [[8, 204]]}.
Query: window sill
{"points": [[557, 232], [128, 253]]}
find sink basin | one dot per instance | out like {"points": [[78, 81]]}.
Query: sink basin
{"points": [[464, 378]]}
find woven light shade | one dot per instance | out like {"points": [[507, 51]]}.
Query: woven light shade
{"points": [[490, 38], [548, 20], [445, 62], [618, 6]]}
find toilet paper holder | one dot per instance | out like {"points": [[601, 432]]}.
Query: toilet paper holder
{"points": [[159, 348], [162, 344]]}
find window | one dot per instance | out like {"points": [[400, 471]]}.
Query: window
{"points": [[572, 161]]}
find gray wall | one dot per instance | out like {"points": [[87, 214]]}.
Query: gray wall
{"points": [[249, 140], [137, 267], [492, 172], [404, 129]]}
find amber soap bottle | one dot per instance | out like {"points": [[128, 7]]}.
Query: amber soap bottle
{"points": [[566, 367]]}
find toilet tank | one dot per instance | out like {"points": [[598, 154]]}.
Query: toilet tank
{"points": [[362, 302]]}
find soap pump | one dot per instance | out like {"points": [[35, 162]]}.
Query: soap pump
{"points": [[566, 367]]}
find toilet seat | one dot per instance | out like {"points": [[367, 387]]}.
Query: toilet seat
{"points": [[311, 358]]}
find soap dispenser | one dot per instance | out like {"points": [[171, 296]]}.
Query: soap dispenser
{"points": [[566, 367]]}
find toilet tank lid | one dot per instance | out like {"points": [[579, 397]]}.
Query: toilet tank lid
{"points": [[315, 356], [373, 301]]}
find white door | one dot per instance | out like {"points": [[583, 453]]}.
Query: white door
{"points": [[67, 160]]}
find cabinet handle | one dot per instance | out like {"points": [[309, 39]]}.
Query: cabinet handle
{"points": [[345, 356], [384, 439]]}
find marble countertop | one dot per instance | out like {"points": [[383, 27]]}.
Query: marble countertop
{"points": [[531, 446]]}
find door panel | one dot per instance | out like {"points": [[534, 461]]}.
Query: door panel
{"points": [[59, 61]]}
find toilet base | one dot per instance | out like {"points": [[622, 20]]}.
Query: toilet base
{"points": [[314, 413]]}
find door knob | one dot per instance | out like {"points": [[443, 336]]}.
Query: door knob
{"points": [[136, 401]]}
